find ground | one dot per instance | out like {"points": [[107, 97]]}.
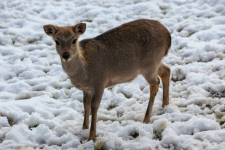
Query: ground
{"points": [[40, 109]]}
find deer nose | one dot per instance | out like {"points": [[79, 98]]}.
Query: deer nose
{"points": [[65, 55]]}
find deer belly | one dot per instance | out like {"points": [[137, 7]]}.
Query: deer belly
{"points": [[121, 79]]}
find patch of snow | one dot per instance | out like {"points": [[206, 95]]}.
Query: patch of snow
{"points": [[40, 108]]}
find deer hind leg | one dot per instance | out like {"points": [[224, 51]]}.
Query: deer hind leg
{"points": [[164, 73], [154, 86]]}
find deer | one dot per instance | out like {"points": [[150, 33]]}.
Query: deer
{"points": [[113, 57]]}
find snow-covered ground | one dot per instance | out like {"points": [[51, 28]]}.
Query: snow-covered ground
{"points": [[40, 109]]}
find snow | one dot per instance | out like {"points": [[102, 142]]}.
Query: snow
{"points": [[40, 109]]}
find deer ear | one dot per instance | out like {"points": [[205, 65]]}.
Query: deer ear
{"points": [[49, 29], [79, 28]]}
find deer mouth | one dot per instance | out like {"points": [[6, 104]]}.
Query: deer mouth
{"points": [[67, 60]]}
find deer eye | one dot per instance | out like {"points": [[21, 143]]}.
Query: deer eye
{"points": [[57, 42], [74, 41]]}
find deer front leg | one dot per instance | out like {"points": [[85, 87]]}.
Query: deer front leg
{"points": [[94, 109], [87, 108]]}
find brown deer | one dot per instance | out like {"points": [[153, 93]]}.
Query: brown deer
{"points": [[114, 57]]}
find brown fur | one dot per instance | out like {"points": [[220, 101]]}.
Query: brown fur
{"points": [[114, 57]]}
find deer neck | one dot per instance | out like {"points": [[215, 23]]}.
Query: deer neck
{"points": [[75, 69]]}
